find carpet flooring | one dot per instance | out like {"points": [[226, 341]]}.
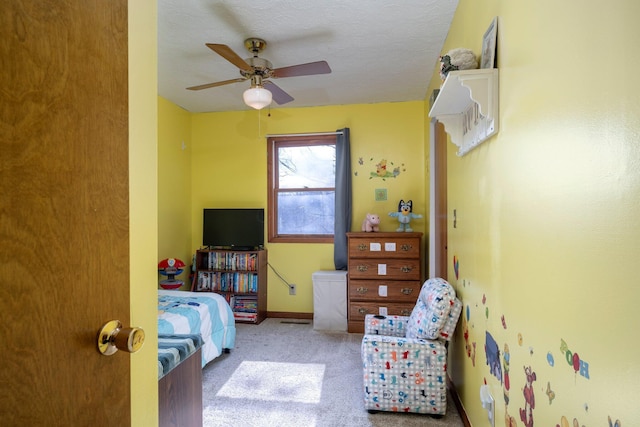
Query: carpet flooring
{"points": [[283, 373]]}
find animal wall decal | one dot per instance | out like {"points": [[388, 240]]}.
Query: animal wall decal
{"points": [[456, 266], [614, 424], [550, 393], [506, 356], [470, 347], [499, 361], [526, 413], [493, 356], [382, 168], [553, 385]]}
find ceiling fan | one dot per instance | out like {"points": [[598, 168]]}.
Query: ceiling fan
{"points": [[260, 70]]}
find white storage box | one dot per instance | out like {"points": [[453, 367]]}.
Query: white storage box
{"points": [[330, 300]]}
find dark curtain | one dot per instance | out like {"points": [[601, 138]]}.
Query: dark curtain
{"points": [[343, 199]]}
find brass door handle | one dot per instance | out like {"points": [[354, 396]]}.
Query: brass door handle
{"points": [[113, 337], [362, 290], [362, 268]]}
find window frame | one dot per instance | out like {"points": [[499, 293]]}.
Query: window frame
{"points": [[273, 143]]}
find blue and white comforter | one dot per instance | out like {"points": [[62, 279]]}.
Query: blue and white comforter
{"points": [[204, 313]]}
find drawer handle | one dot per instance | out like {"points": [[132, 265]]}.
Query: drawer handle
{"points": [[406, 269], [362, 247], [406, 312], [362, 268], [407, 291], [362, 290], [406, 247], [363, 310]]}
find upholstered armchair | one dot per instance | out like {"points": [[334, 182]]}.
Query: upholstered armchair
{"points": [[405, 357]]}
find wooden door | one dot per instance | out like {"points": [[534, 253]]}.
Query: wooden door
{"points": [[64, 211], [438, 186]]}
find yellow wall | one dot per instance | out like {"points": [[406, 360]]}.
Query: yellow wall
{"points": [[546, 234], [143, 212], [229, 169], [174, 182], [545, 237]]}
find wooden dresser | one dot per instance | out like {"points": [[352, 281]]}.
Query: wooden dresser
{"points": [[385, 275]]}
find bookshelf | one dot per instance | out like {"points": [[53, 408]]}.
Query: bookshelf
{"points": [[239, 276]]}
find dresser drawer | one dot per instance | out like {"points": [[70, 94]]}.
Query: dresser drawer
{"points": [[381, 290], [358, 309], [372, 246], [390, 269]]}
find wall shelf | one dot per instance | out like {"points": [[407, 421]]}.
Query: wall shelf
{"points": [[467, 106]]}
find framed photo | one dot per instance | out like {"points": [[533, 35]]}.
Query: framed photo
{"points": [[488, 58]]}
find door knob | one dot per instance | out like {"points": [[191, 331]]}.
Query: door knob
{"points": [[113, 337]]}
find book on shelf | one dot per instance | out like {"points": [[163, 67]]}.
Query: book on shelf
{"points": [[245, 316], [203, 281], [227, 282], [245, 304], [232, 261]]}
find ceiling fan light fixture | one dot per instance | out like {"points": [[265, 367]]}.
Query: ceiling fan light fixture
{"points": [[257, 97], [258, 69]]}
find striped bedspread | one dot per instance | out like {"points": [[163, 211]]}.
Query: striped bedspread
{"points": [[173, 349], [201, 313]]}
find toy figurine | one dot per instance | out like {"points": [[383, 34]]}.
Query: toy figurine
{"points": [[171, 267], [405, 215], [371, 223], [457, 59]]}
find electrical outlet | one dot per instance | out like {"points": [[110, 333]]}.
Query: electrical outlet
{"points": [[292, 289]]}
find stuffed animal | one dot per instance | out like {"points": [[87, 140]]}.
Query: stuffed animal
{"points": [[405, 215], [457, 59], [371, 223]]}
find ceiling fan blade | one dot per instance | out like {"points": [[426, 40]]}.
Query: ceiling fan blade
{"points": [[279, 95], [222, 83], [311, 68], [228, 54]]}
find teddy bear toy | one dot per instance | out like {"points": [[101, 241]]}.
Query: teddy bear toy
{"points": [[457, 59], [405, 215], [371, 223]]}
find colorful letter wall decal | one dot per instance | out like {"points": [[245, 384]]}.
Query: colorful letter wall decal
{"points": [[573, 359]]}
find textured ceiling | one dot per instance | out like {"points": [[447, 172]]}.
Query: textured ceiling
{"points": [[378, 51]]}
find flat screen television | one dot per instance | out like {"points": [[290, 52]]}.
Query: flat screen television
{"points": [[239, 229]]}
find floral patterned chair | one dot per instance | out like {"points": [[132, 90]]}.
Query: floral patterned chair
{"points": [[405, 357]]}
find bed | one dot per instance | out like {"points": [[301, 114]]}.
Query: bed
{"points": [[201, 313]]}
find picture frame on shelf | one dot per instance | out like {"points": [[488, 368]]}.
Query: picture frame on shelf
{"points": [[489, 42]]}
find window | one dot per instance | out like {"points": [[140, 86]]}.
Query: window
{"points": [[302, 176]]}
